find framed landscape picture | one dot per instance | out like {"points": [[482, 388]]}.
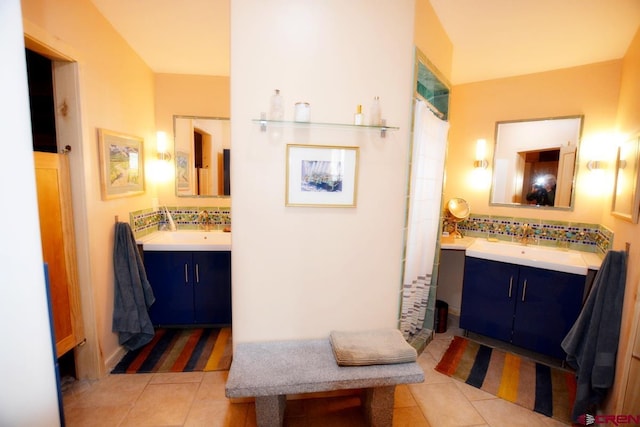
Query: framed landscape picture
{"points": [[183, 173], [121, 164], [321, 175]]}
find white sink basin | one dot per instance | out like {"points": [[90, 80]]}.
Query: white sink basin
{"points": [[187, 240], [533, 256]]}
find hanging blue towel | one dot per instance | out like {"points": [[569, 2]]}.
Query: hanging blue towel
{"points": [[132, 292], [592, 342]]}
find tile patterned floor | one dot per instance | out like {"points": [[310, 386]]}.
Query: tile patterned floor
{"points": [[197, 399]]}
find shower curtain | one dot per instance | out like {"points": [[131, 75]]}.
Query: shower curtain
{"points": [[423, 221]]}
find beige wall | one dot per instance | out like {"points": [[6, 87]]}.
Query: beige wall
{"points": [[628, 122], [590, 90], [299, 272], [116, 92], [28, 396]]}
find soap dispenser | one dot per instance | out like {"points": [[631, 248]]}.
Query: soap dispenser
{"points": [[358, 118]]}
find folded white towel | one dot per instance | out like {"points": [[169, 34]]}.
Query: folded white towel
{"points": [[373, 347]]}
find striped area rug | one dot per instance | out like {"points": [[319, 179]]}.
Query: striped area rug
{"points": [[180, 350], [547, 390]]}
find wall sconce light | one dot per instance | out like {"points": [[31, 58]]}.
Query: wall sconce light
{"points": [[595, 165], [161, 146], [481, 154]]}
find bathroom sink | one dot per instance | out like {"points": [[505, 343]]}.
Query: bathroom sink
{"points": [[567, 261], [187, 240]]}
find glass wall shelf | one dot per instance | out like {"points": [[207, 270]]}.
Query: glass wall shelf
{"points": [[264, 123]]}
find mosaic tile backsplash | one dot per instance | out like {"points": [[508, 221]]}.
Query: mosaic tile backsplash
{"points": [[573, 235], [146, 221]]}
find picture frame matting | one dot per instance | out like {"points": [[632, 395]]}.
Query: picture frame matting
{"points": [[321, 175], [121, 164]]}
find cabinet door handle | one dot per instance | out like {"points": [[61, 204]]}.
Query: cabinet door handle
{"points": [[197, 274], [524, 289], [510, 285], [186, 274]]}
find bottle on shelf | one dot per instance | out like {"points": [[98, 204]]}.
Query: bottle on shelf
{"points": [[276, 110], [375, 113], [302, 112], [358, 117]]}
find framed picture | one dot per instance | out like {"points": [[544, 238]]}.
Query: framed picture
{"points": [[121, 164], [183, 173], [626, 197], [321, 175]]}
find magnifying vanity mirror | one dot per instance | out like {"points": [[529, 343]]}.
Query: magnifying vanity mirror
{"points": [[202, 156], [535, 161], [457, 210]]}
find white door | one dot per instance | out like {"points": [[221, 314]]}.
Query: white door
{"points": [[564, 182]]}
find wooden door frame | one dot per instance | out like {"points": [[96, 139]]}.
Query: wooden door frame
{"points": [[67, 107]]}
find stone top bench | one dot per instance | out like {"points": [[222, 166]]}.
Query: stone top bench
{"points": [[269, 371]]}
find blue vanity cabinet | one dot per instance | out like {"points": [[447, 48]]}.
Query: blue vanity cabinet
{"points": [[529, 307], [191, 288], [488, 297], [212, 287], [168, 274], [548, 304]]}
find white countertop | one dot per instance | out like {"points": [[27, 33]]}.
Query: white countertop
{"points": [[458, 244], [186, 240], [536, 256], [594, 261]]}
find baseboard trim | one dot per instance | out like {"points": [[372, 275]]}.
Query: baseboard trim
{"points": [[115, 357]]}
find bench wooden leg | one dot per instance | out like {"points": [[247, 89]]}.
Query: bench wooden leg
{"points": [[270, 410], [378, 405]]}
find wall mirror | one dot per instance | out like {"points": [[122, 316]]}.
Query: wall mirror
{"points": [[535, 161], [202, 156], [626, 197]]}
